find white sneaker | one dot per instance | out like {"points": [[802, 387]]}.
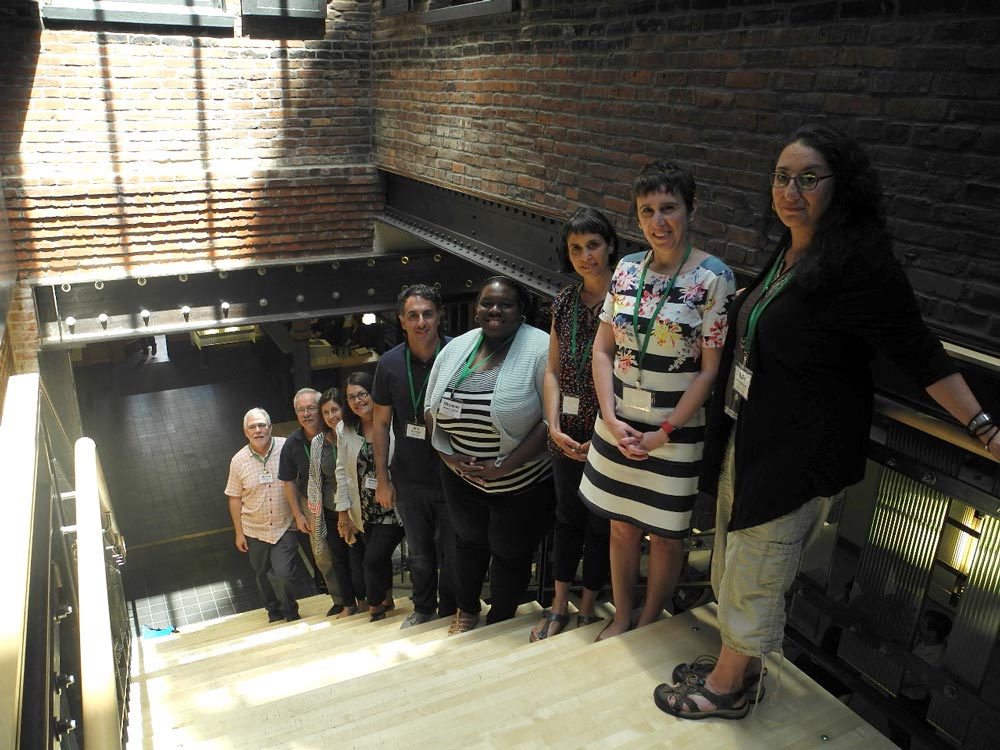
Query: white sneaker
{"points": [[415, 618]]}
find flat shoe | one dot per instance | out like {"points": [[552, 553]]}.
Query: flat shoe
{"points": [[548, 617], [684, 706]]}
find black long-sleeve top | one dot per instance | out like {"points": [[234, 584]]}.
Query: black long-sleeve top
{"points": [[803, 432]]}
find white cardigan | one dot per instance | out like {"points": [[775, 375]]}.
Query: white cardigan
{"points": [[517, 399], [349, 444]]}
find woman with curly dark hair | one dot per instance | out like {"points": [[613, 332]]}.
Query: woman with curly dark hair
{"points": [[788, 427]]}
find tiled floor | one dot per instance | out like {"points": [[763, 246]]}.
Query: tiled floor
{"points": [[166, 428]]}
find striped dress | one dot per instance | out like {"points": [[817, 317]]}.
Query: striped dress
{"points": [[657, 494]]}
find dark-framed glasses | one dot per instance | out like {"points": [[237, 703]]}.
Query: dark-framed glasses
{"points": [[804, 181], [359, 396]]}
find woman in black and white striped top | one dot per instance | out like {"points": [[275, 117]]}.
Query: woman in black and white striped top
{"points": [[484, 405]]}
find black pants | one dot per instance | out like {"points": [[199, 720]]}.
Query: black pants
{"points": [[578, 531], [348, 562], [503, 529], [381, 540]]}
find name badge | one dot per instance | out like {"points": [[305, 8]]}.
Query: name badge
{"points": [[571, 405], [741, 381], [371, 483], [450, 409], [416, 431], [637, 398], [266, 478]]}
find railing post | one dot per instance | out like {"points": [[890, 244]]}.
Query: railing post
{"points": [[97, 670]]}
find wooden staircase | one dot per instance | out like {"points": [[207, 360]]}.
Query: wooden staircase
{"points": [[325, 683]]}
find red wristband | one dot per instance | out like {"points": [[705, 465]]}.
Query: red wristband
{"points": [[667, 427]]}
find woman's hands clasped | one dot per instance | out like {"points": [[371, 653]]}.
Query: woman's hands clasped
{"points": [[569, 447], [634, 444], [477, 470]]}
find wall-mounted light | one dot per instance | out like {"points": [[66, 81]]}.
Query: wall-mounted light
{"points": [[144, 314], [262, 302], [186, 312], [71, 323], [371, 291], [300, 298], [368, 319], [103, 320], [225, 309], [335, 295]]}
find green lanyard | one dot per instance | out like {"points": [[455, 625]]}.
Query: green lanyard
{"points": [[263, 460], [415, 398], [765, 299], [581, 362], [659, 306], [467, 368]]}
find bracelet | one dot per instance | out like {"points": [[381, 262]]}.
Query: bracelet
{"points": [[667, 427], [989, 440], [978, 423]]}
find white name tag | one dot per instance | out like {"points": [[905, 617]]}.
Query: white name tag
{"points": [[371, 483], [741, 381], [637, 398], [450, 409], [266, 478], [416, 431], [571, 405]]}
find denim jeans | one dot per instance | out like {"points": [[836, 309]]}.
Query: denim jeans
{"points": [[430, 544], [274, 568]]}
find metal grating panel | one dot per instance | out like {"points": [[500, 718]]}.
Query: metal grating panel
{"points": [[894, 571]]}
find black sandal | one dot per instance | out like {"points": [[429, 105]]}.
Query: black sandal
{"points": [[684, 706], [701, 667], [549, 617]]}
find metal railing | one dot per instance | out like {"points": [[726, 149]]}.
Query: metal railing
{"points": [[65, 649]]}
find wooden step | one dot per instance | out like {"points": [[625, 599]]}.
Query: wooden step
{"points": [[488, 688]]}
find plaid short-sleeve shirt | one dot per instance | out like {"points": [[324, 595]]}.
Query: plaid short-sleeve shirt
{"points": [[266, 515]]}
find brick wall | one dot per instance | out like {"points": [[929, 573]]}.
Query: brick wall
{"points": [[122, 148], [561, 101]]}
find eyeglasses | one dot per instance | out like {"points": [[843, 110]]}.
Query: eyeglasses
{"points": [[307, 410], [804, 181], [359, 396]]}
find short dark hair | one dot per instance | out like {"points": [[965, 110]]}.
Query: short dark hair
{"points": [[666, 176], [588, 220], [330, 394], [423, 291], [938, 623], [523, 295], [364, 379]]}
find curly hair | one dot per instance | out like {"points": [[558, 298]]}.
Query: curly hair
{"points": [[852, 226]]}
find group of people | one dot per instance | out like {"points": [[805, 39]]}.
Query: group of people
{"points": [[657, 380]]}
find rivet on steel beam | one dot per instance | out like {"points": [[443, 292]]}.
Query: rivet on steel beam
{"points": [[66, 287], [405, 259], [468, 283], [141, 281], [183, 278], [98, 285], [437, 288], [335, 295], [261, 271], [335, 265], [371, 263], [300, 298], [299, 268], [262, 302], [436, 258], [371, 291], [223, 274]]}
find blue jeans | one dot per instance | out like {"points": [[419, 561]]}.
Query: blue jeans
{"points": [[274, 568], [430, 543]]}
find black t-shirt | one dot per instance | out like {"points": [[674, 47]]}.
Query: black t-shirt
{"points": [[414, 460], [293, 465]]}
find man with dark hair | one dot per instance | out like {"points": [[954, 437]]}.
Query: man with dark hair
{"points": [[414, 487], [261, 519]]}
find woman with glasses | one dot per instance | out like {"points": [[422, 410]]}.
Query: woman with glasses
{"points": [[484, 407], [358, 511], [656, 354], [332, 554], [789, 424]]}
